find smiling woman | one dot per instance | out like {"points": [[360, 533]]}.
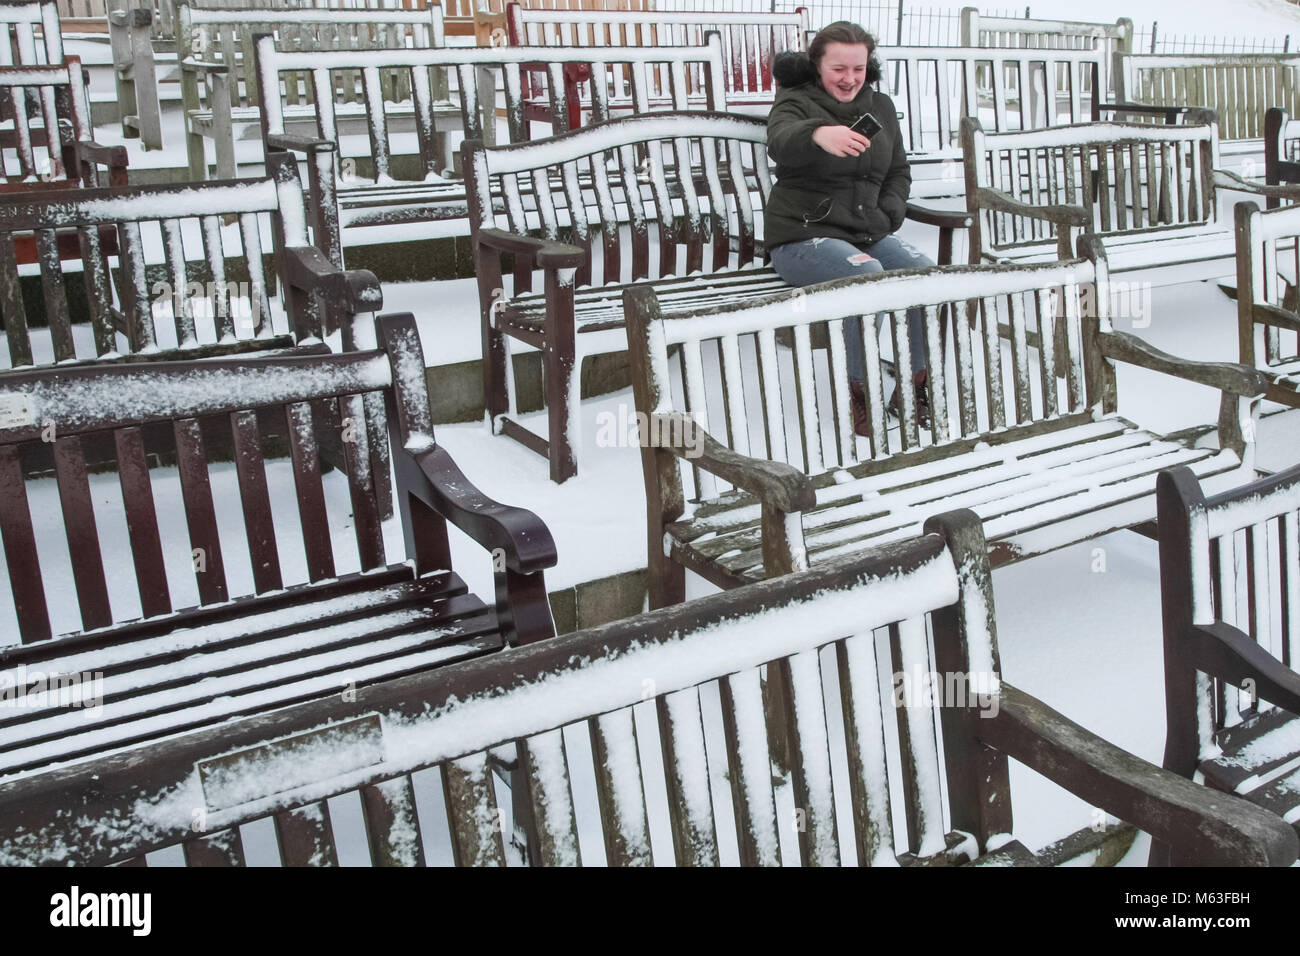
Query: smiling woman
{"points": [[841, 193]]}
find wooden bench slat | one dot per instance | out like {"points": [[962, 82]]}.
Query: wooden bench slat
{"points": [[255, 498], [82, 534], [864, 738], [471, 804], [142, 522], [392, 824], [17, 336], [200, 513], [553, 824], [304, 836], [686, 774], [21, 556], [311, 495], [618, 787], [751, 774]]}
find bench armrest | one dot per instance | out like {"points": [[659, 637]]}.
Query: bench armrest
{"points": [[545, 252], [114, 157], [301, 144], [777, 484], [1227, 653], [1203, 826], [204, 66], [1223, 179], [518, 534], [1265, 313], [943, 218], [1235, 379], [353, 290], [1064, 214], [1170, 113]]}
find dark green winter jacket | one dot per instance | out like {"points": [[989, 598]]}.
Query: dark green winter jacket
{"points": [[860, 199]]}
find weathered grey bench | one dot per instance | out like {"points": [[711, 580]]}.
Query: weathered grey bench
{"points": [[1150, 191], [571, 721], [209, 288], [215, 591], [218, 82], [750, 41], [1268, 304], [372, 189], [693, 182], [979, 30], [1228, 573], [752, 468], [1237, 87]]}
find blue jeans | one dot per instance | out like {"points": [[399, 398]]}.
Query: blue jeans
{"points": [[821, 260]]}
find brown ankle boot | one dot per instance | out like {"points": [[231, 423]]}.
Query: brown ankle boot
{"points": [[861, 421], [922, 401]]}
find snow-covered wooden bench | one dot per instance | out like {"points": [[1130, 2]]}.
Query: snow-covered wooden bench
{"points": [[934, 87], [220, 590], [372, 189], [1268, 304], [1238, 87], [1022, 33], [604, 190], [1150, 191], [35, 100], [1281, 151], [1024, 433], [645, 721], [1228, 586], [185, 279], [220, 84], [750, 41], [30, 33]]}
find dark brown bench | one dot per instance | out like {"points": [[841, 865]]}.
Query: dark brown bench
{"points": [[220, 590], [197, 263], [752, 468], [1228, 575], [756, 655], [1268, 300], [1281, 151]]}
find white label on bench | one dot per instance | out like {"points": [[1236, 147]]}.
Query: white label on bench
{"points": [[291, 762], [17, 410]]}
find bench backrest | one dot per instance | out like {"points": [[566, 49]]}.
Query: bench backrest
{"points": [[1230, 558], [1013, 89], [187, 279], [578, 713], [628, 75], [165, 14], [981, 30], [292, 526], [768, 377], [1125, 176], [1238, 87], [227, 37], [30, 34], [34, 101], [1268, 254], [750, 41], [607, 187]]}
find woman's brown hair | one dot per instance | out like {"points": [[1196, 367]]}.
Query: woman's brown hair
{"points": [[841, 31]]}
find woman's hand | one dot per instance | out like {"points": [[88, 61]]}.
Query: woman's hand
{"points": [[840, 140]]}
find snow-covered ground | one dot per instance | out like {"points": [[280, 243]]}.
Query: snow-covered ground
{"points": [[1079, 628]]}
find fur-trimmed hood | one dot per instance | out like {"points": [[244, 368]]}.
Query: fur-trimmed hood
{"points": [[793, 68]]}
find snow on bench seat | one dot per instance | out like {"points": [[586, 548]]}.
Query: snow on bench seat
{"points": [[753, 468]]}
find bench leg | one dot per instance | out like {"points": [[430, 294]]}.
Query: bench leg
{"points": [[666, 578], [562, 378]]}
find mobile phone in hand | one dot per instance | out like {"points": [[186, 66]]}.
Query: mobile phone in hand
{"points": [[867, 125]]}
